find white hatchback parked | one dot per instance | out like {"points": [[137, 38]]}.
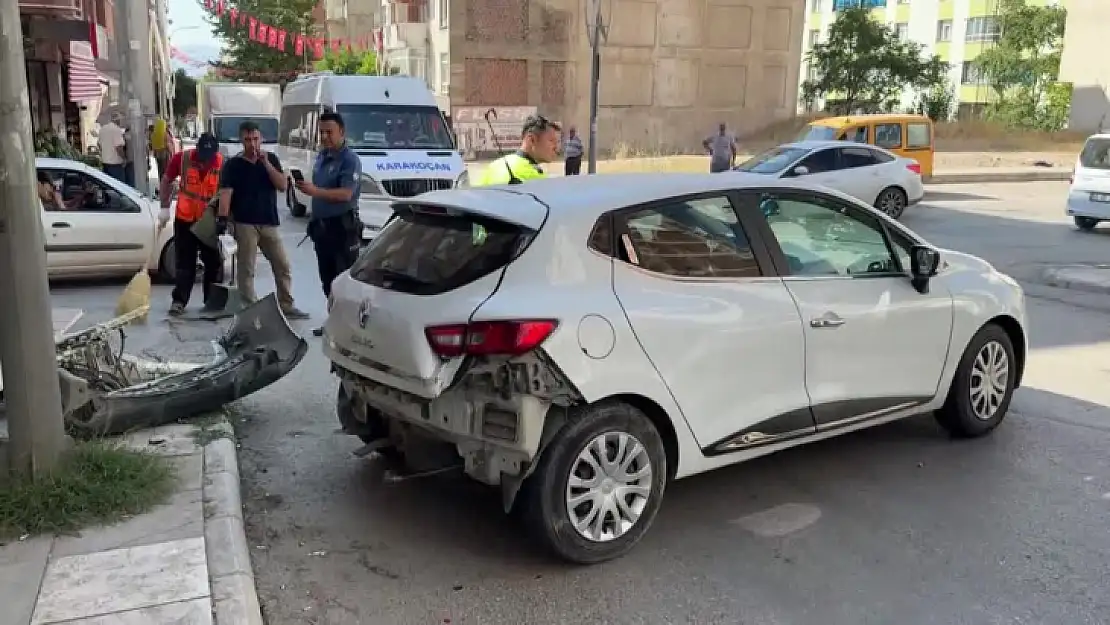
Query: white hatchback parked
{"points": [[581, 342], [1089, 195]]}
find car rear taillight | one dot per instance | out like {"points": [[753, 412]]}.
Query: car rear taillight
{"points": [[489, 338], [915, 168]]}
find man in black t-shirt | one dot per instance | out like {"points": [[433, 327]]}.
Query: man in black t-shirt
{"points": [[249, 183]]}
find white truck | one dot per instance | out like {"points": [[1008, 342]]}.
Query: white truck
{"points": [[222, 106]]}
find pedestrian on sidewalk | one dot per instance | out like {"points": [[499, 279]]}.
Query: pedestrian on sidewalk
{"points": [[112, 146], [199, 173], [572, 153], [249, 186], [335, 187], [721, 148]]}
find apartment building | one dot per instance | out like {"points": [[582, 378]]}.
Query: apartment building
{"points": [[671, 69], [1085, 65], [956, 30]]}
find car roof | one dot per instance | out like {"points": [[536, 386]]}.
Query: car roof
{"points": [[46, 161], [844, 120], [588, 197]]}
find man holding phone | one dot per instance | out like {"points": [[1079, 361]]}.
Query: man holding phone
{"points": [[249, 184], [335, 187]]}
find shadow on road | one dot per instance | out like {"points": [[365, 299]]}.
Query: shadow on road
{"points": [[953, 196]]}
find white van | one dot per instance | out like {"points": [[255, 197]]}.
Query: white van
{"points": [[1089, 195], [392, 123]]}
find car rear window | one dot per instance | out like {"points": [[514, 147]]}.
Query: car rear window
{"points": [[815, 132], [1096, 154], [427, 253]]}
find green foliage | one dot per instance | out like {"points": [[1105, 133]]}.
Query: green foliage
{"points": [[96, 483], [49, 144], [350, 62], [1022, 66], [184, 93], [865, 65], [256, 62], [937, 103]]}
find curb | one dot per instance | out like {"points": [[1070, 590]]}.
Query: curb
{"points": [[1058, 277], [1038, 174], [234, 596]]}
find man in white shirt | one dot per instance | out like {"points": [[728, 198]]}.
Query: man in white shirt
{"points": [[113, 153]]}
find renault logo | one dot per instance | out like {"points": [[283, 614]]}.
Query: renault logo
{"points": [[364, 314]]}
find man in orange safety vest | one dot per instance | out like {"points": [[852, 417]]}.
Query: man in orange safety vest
{"points": [[199, 174]]}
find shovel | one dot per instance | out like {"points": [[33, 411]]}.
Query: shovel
{"points": [[223, 298]]}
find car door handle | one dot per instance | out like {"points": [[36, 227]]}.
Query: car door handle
{"points": [[59, 224], [828, 320]]}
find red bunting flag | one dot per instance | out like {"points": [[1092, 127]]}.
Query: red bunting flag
{"points": [[253, 28], [298, 45], [272, 41], [318, 48], [234, 14], [263, 33]]}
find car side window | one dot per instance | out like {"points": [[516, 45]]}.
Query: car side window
{"points": [[917, 136], [697, 238], [888, 136], [819, 162], [824, 237], [84, 193], [856, 157], [856, 135], [601, 238], [881, 157]]}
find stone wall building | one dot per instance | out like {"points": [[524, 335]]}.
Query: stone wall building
{"points": [[670, 71]]}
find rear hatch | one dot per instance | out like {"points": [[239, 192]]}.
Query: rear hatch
{"points": [[1092, 171], [428, 270]]}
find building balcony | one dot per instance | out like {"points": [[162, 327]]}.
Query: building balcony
{"points": [[407, 12], [402, 36], [52, 8]]}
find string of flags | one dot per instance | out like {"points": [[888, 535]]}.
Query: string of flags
{"points": [[264, 33], [185, 59]]}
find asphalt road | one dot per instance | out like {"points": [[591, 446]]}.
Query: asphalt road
{"points": [[896, 525]]}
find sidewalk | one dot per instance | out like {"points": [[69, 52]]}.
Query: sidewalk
{"points": [[184, 562]]}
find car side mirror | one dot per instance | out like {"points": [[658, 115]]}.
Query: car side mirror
{"points": [[924, 263], [800, 170]]}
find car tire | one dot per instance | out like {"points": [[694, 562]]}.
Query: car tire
{"points": [[892, 201], [1086, 224], [345, 410], [167, 262], [296, 209], [980, 393], [573, 453]]}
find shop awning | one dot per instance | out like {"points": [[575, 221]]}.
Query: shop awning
{"points": [[84, 79]]}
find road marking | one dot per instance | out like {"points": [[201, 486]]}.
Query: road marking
{"points": [[780, 520]]}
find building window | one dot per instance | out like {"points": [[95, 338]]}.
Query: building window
{"points": [[814, 6], [944, 30], [443, 14], [902, 30], [839, 5], [971, 74], [982, 29], [814, 37], [444, 73]]}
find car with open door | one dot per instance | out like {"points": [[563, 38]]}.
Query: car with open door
{"points": [[580, 343], [880, 178], [101, 227]]}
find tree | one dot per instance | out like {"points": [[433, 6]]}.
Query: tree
{"points": [[350, 62], [936, 103], [254, 61], [865, 64], [1022, 66], [184, 93]]}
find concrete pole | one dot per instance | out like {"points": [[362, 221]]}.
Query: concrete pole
{"points": [[137, 81], [596, 35], [34, 405]]}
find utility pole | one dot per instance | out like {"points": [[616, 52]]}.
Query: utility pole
{"points": [[137, 84], [598, 31], [34, 404]]}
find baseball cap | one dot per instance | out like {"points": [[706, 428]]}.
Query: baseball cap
{"points": [[207, 145], [537, 124]]}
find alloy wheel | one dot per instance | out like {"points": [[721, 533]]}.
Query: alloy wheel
{"points": [[609, 486], [990, 378], [892, 202]]}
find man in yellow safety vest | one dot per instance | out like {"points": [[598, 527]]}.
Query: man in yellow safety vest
{"points": [[539, 144]]}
